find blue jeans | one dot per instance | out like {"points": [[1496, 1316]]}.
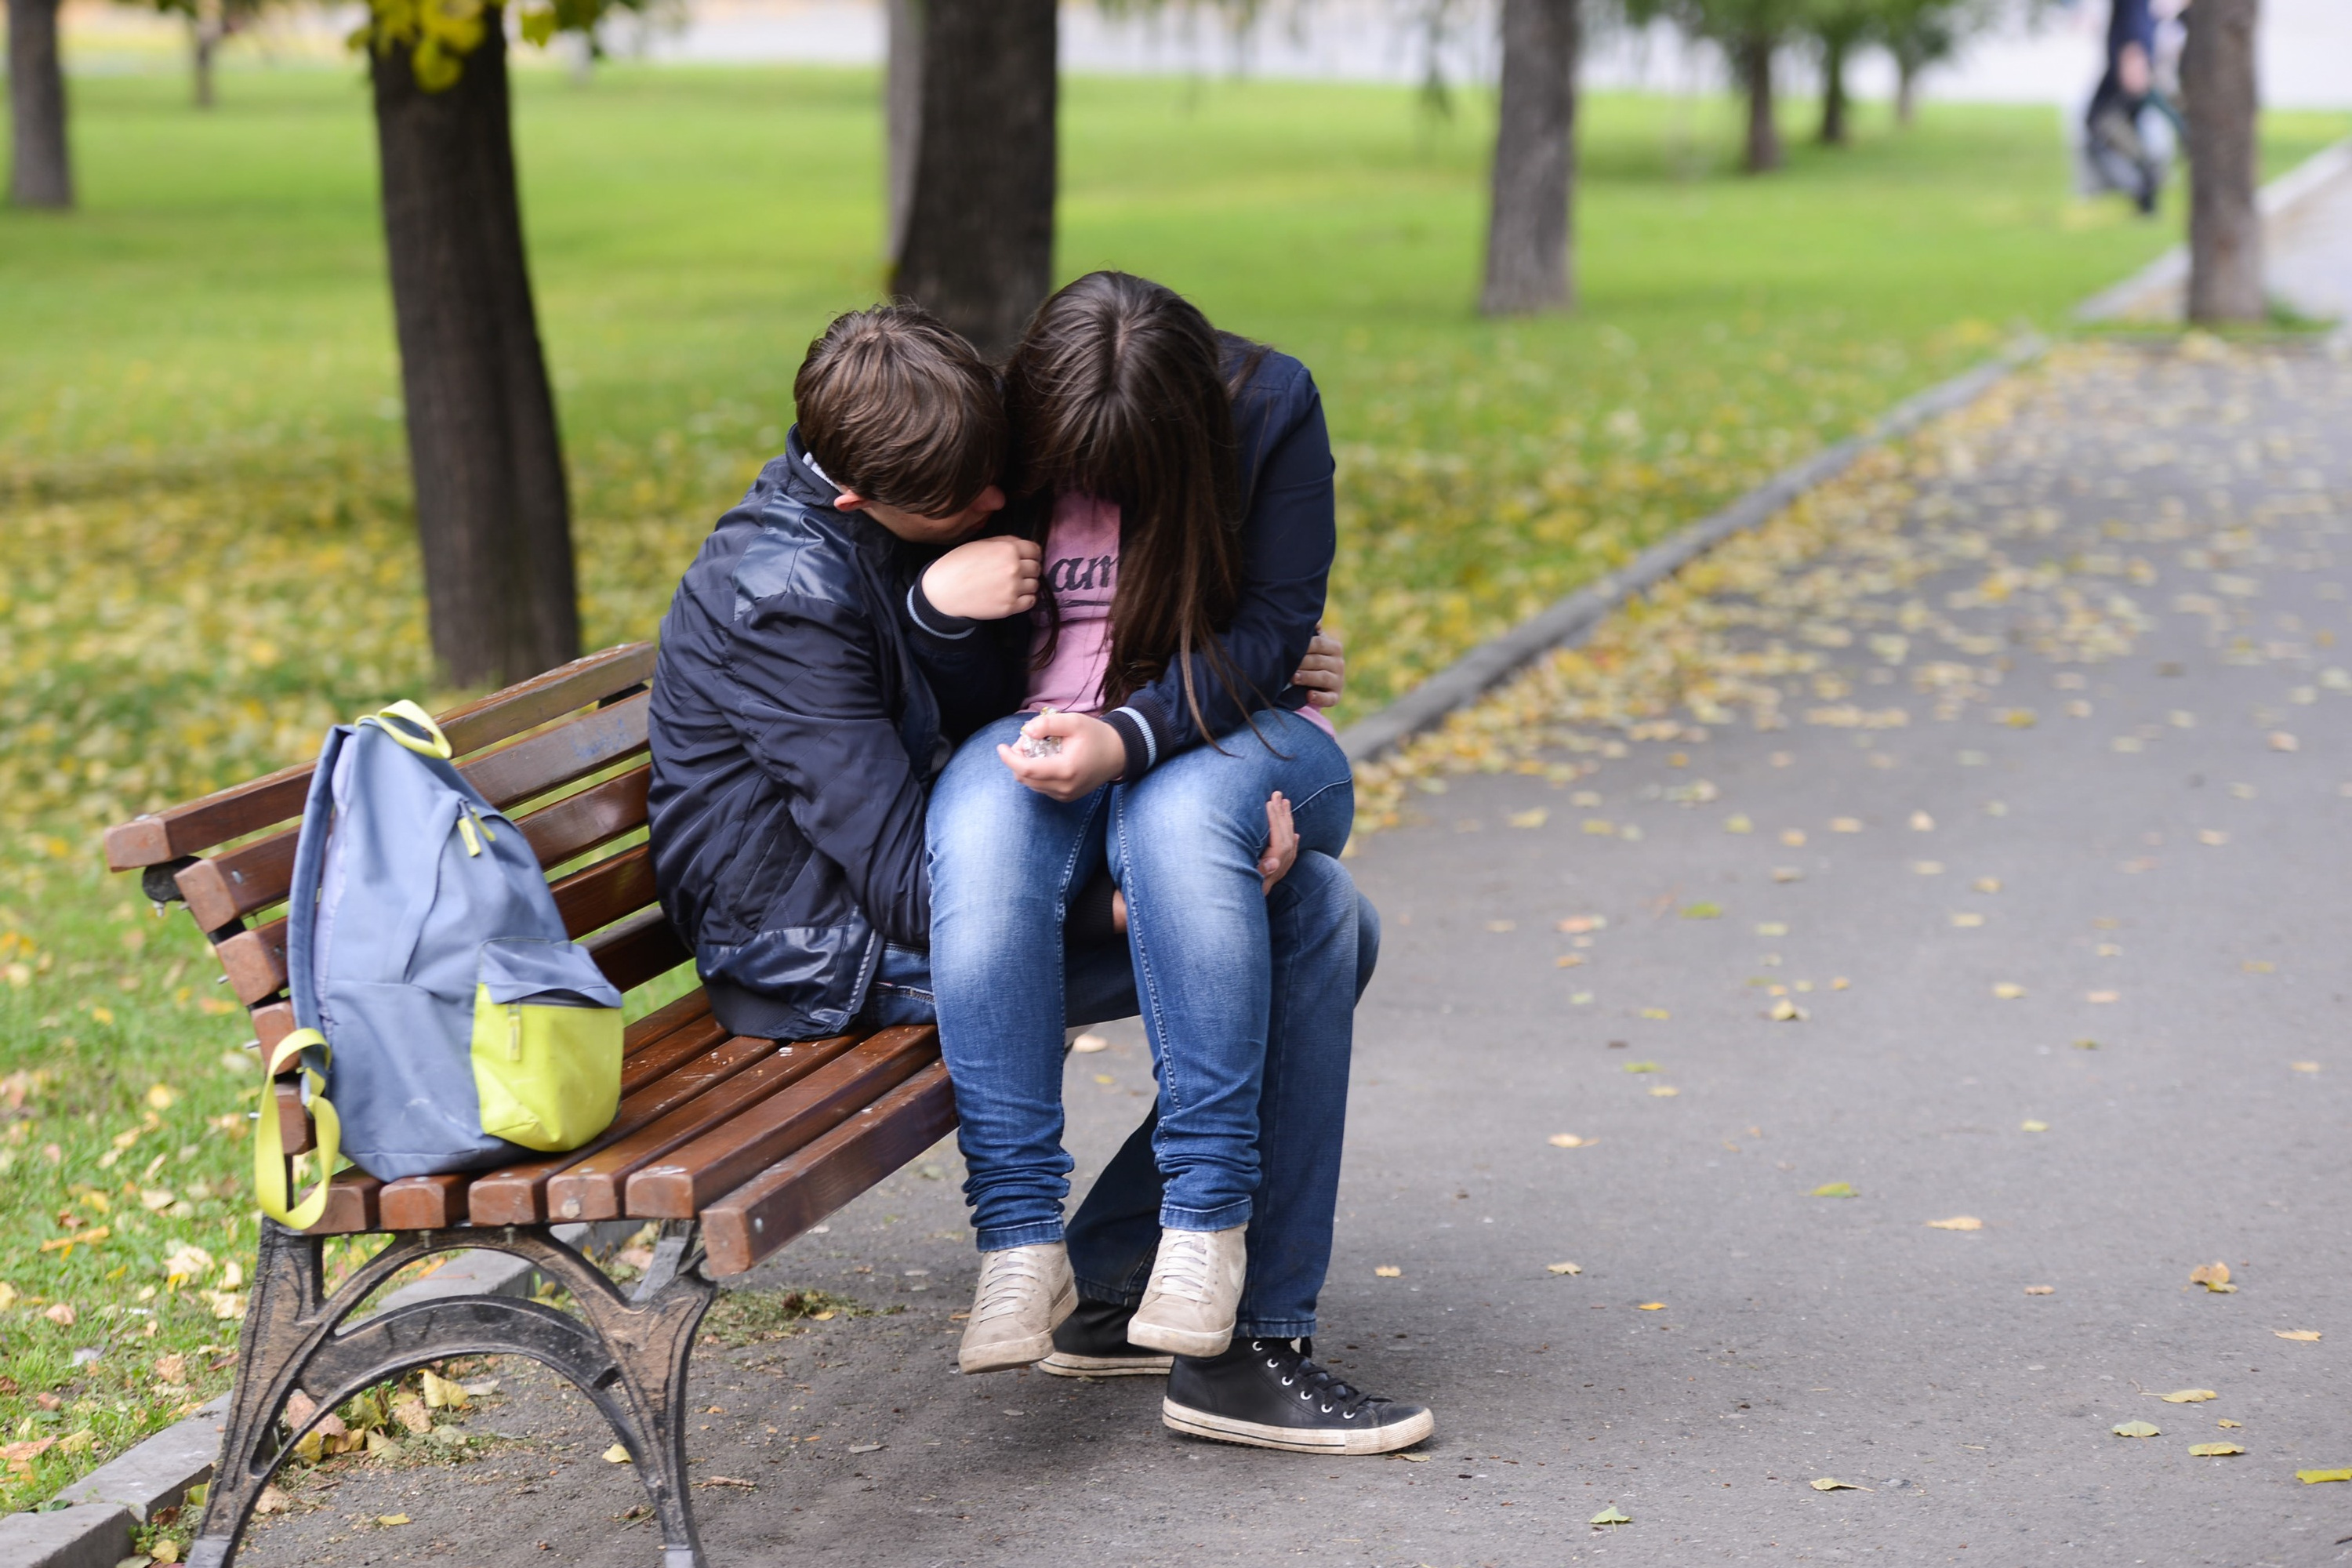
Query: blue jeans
{"points": [[1248, 1000]]}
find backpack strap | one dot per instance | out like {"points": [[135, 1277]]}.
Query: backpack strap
{"points": [[301, 984]]}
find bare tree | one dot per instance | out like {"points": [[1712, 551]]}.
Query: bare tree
{"points": [[977, 241], [1531, 231], [2225, 227], [1838, 28], [493, 515], [40, 173]]}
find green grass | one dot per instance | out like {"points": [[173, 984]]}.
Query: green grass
{"points": [[204, 491]]}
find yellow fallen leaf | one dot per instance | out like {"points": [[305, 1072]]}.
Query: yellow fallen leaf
{"points": [[1576, 925], [440, 1394], [2034, 1127], [1568, 961], [1846, 825], [2313, 1477], [1650, 1307], [164, 1551], [2305, 1067], [1414, 1459], [1787, 1012], [2214, 1277], [2213, 1451], [1772, 928], [1389, 1271], [2283, 742], [1664, 1091], [2042, 1290], [1702, 911], [1794, 838], [2007, 990], [1611, 1516], [1922, 823], [1568, 1141], [1832, 1190], [1535, 818], [1966, 919], [1840, 984], [2307, 1336], [162, 1096], [617, 1454], [1958, 1222], [2189, 1396], [1563, 1268], [389, 1519], [1738, 824], [2103, 996], [1831, 1484], [1599, 828], [2225, 1421], [1987, 884], [1086, 1045], [1929, 868], [2136, 1429], [1659, 1013], [1641, 1067], [823, 1317], [2213, 836], [60, 1313]]}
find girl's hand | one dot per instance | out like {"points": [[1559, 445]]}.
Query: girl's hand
{"points": [[1092, 755], [1281, 843], [986, 580], [1323, 673]]}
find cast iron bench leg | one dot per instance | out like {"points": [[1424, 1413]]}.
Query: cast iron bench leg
{"points": [[628, 1357]]}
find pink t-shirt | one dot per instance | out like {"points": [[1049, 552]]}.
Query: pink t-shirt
{"points": [[1081, 573]]}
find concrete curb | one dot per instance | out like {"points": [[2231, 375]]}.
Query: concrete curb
{"points": [[1570, 618], [125, 1491], [2144, 290]]}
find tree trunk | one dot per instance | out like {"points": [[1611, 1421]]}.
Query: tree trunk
{"points": [[204, 40], [39, 173], [978, 248], [2225, 228], [1833, 99], [902, 105], [1530, 232], [1752, 56], [1906, 89], [492, 515]]}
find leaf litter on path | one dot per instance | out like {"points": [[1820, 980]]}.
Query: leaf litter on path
{"points": [[2214, 1277]]}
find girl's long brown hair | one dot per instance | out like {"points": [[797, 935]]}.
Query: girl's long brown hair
{"points": [[1118, 391]]}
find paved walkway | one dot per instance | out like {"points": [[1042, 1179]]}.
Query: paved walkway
{"points": [[2045, 844]]}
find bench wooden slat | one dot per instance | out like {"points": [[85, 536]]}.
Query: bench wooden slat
{"points": [[643, 947], [515, 1195], [783, 1201], [677, 1186], [425, 1203], [232, 813], [591, 1189], [665, 1020], [663, 1057], [254, 961], [353, 1205], [236, 883], [611, 889]]}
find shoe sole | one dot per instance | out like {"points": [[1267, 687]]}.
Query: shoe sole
{"points": [[1013, 1354], [1062, 1363], [1295, 1439], [1177, 1341]]}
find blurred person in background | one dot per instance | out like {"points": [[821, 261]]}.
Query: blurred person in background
{"points": [[2132, 128]]}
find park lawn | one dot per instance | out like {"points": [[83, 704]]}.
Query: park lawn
{"points": [[205, 492]]}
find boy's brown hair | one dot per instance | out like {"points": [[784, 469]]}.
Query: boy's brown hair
{"points": [[897, 407]]}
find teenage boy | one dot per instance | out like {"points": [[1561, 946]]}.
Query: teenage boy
{"points": [[796, 728]]}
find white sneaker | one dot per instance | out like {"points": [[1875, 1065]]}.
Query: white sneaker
{"points": [[1194, 1294], [1024, 1292]]}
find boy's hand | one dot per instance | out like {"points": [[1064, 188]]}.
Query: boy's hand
{"points": [[1092, 755], [1323, 673], [986, 580], [1281, 843]]}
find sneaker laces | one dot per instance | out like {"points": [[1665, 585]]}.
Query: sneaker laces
{"points": [[1007, 1282], [1186, 1265], [1297, 1370]]}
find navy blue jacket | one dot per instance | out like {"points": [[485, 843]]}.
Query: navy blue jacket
{"points": [[793, 738], [1288, 534]]}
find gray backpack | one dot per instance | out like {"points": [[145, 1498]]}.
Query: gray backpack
{"points": [[447, 1023]]}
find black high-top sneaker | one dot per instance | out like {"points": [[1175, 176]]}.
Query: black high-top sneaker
{"points": [[1270, 1393], [1092, 1342]]}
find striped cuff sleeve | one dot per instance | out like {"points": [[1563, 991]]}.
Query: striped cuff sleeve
{"points": [[1142, 745]]}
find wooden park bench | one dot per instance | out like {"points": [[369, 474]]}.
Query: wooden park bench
{"points": [[735, 1145]]}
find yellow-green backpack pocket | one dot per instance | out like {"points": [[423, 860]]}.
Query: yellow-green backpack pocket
{"points": [[547, 1044]]}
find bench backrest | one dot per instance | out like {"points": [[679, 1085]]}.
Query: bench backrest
{"points": [[563, 753]]}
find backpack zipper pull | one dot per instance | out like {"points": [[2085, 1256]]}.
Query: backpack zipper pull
{"points": [[484, 824], [465, 831], [514, 1031]]}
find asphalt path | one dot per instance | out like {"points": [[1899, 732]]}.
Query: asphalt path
{"points": [[2065, 944]]}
